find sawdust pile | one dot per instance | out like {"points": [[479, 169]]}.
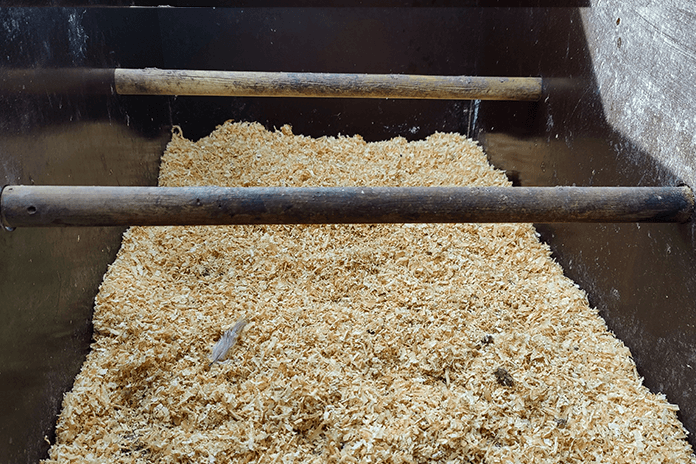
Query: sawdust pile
{"points": [[371, 343]]}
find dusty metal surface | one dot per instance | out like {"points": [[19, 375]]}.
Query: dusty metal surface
{"points": [[57, 132], [644, 58], [430, 41]]}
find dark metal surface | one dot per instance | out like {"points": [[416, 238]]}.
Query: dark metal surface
{"points": [[308, 3], [59, 132], [427, 41], [642, 278]]}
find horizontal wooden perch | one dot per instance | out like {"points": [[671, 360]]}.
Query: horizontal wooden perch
{"points": [[46, 206], [152, 81]]}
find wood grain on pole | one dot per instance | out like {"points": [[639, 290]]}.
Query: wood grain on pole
{"points": [[42, 206], [152, 81]]}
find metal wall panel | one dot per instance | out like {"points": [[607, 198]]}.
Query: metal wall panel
{"points": [[52, 132]]}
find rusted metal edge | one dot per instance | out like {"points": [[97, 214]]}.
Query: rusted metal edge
{"points": [[51, 206], [153, 81]]}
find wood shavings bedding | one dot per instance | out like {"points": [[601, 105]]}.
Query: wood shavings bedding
{"points": [[365, 343]]}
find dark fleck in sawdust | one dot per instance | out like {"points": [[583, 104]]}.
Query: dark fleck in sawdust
{"points": [[504, 378]]}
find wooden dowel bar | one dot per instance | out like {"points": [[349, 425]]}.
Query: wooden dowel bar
{"points": [[46, 206], [152, 81]]}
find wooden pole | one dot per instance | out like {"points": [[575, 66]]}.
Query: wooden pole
{"points": [[46, 206], [152, 81]]}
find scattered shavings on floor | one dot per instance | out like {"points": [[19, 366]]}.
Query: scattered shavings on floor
{"points": [[365, 343]]}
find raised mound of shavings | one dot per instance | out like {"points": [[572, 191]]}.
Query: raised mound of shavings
{"points": [[365, 343]]}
